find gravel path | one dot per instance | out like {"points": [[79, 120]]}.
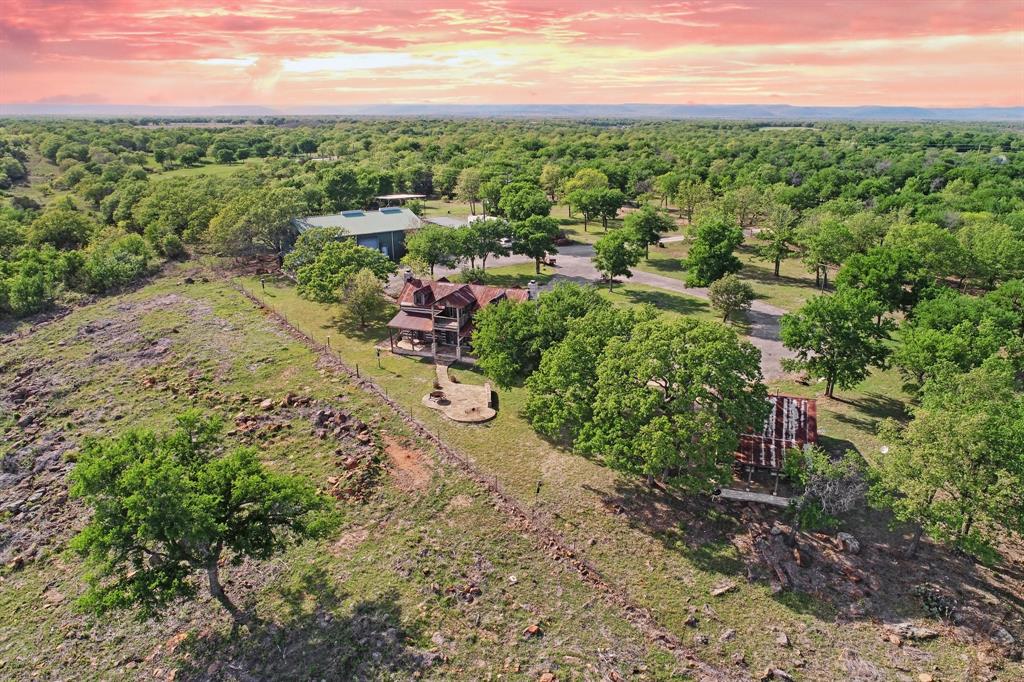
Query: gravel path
{"points": [[575, 262]]}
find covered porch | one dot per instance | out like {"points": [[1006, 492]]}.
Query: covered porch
{"points": [[417, 335]]}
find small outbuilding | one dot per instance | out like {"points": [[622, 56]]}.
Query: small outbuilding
{"points": [[382, 230], [792, 423]]}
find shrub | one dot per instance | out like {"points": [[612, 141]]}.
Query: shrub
{"points": [[117, 262], [172, 246], [473, 275]]}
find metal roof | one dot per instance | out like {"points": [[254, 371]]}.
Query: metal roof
{"points": [[791, 423], [357, 223], [389, 197]]}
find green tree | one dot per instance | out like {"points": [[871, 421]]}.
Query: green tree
{"points": [[672, 401], [615, 253], [363, 298], [711, 254], [691, 195], [836, 338], [488, 238], [520, 201], [562, 390], [117, 262], [585, 180], [648, 224], [826, 242], [166, 507], [779, 235], [890, 275], [934, 247], [609, 201], [504, 338], [667, 185], [566, 301], [993, 252], [309, 245], [510, 337], [745, 203], [550, 179], [341, 186], [63, 228], [587, 202], [468, 187], [535, 237], [431, 246], [730, 294], [258, 220], [955, 470], [328, 276]]}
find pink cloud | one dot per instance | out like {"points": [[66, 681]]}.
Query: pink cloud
{"points": [[203, 51]]}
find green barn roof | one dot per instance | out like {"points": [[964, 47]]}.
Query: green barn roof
{"points": [[357, 223]]}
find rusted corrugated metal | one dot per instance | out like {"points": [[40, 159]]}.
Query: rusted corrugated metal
{"points": [[792, 423]]}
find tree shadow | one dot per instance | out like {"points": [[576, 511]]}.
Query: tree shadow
{"points": [[878, 583], [312, 640], [663, 300], [689, 525], [879, 406], [665, 265], [374, 331]]}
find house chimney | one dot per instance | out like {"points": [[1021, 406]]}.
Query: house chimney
{"points": [[532, 290], [407, 274]]}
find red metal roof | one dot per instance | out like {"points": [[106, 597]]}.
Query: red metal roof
{"points": [[792, 423], [442, 293], [416, 323]]}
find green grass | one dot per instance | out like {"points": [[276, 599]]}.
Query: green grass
{"points": [[573, 227], [655, 549], [217, 170], [789, 291], [363, 604], [451, 209]]}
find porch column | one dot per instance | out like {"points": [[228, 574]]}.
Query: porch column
{"points": [[391, 338], [458, 333]]}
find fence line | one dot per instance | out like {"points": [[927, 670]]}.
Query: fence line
{"points": [[527, 520]]}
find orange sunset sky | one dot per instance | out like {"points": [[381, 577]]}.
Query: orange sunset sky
{"points": [[198, 52]]}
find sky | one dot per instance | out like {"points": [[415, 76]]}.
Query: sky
{"points": [[955, 53]]}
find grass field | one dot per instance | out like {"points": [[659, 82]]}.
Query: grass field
{"points": [[668, 554], [216, 170], [789, 291], [425, 577]]}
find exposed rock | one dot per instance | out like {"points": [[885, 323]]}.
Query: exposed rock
{"points": [[532, 631], [911, 631], [267, 404], [848, 543], [721, 589], [1001, 637], [727, 635], [782, 639]]}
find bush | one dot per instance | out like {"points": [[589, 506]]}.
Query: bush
{"points": [[172, 246], [28, 293], [831, 487], [117, 262], [473, 275]]}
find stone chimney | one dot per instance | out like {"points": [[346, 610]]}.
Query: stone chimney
{"points": [[533, 290], [407, 274]]}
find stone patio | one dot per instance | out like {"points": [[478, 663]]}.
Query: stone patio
{"points": [[466, 403]]}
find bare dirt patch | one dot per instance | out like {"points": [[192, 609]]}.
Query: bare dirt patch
{"points": [[349, 540], [411, 470], [461, 501]]}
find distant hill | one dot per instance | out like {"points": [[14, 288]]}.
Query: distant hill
{"points": [[757, 112]]}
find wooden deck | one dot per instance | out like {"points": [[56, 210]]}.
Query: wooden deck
{"points": [[747, 496]]}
